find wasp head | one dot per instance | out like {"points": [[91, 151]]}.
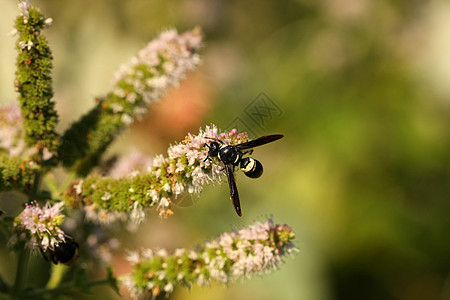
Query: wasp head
{"points": [[213, 149]]}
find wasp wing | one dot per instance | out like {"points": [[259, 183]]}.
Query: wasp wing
{"points": [[234, 195], [259, 141]]}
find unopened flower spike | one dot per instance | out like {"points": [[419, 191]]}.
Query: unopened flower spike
{"points": [[157, 67], [16, 173], [33, 80], [17, 169], [255, 250], [183, 171]]}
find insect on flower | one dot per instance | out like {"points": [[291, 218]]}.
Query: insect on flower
{"points": [[65, 252], [232, 156]]}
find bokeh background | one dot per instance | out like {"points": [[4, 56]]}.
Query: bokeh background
{"points": [[363, 91]]}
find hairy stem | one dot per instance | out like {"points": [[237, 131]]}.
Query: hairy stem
{"points": [[21, 273]]}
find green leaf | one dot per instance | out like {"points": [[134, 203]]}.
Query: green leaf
{"points": [[112, 281]]}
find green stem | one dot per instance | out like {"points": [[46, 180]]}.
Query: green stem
{"points": [[24, 255], [56, 275], [37, 178], [69, 179], [21, 273], [62, 288], [50, 183], [36, 184]]}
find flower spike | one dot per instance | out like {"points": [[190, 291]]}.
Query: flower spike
{"points": [[256, 249], [33, 79], [160, 65], [183, 171]]}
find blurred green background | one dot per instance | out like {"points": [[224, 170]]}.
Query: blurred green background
{"points": [[363, 173]]}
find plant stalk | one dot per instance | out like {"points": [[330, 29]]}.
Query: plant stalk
{"points": [[21, 273]]}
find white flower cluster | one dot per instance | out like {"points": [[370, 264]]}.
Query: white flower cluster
{"points": [[183, 171], [26, 45], [25, 6], [187, 159], [11, 131], [245, 249], [256, 249], [158, 66], [39, 226]]}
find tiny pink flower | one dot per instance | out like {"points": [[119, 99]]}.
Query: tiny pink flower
{"points": [[40, 226]]}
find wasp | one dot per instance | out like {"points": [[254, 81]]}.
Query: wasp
{"points": [[232, 156]]}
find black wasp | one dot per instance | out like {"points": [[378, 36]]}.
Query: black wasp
{"points": [[232, 157]]}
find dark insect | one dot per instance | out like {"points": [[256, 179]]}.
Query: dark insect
{"points": [[232, 157], [65, 252]]}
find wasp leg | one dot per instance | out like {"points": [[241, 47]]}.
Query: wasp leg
{"points": [[207, 157], [249, 152]]}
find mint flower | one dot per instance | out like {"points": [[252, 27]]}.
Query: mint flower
{"points": [[31, 151], [33, 80], [162, 64], [11, 132], [254, 250], [158, 66], [24, 6], [39, 227], [183, 171]]}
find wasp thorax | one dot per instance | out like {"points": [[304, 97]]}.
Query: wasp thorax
{"points": [[229, 155]]}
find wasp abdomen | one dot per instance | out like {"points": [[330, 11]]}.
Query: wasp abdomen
{"points": [[251, 167]]}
